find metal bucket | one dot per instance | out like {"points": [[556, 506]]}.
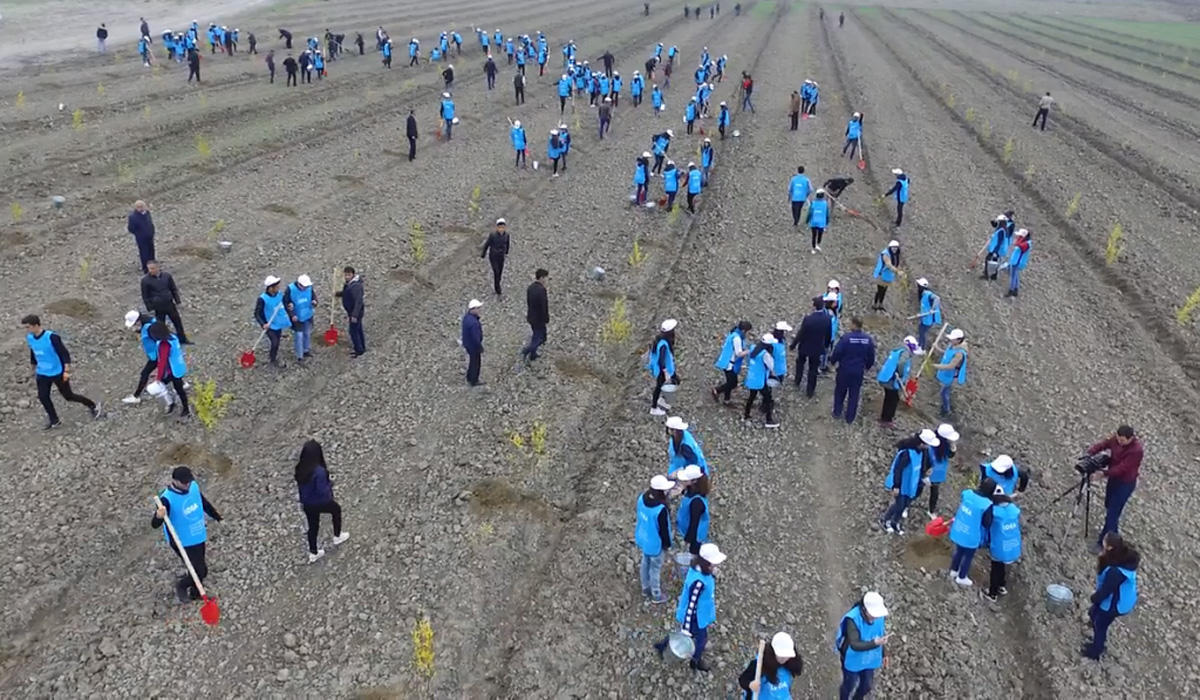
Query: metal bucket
{"points": [[681, 645], [1059, 599], [670, 388], [225, 246], [773, 383], [156, 389], [683, 561], [991, 267]]}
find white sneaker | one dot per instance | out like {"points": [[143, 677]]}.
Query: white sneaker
{"points": [[818, 248], [904, 514], [341, 538], [813, 251], [656, 411], [663, 404], [131, 399], [964, 582], [931, 514], [891, 530], [313, 557]]}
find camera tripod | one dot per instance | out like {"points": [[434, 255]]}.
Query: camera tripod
{"points": [[1083, 494]]}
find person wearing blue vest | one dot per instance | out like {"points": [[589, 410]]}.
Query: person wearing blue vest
{"points": [[186, 507], [723, 119], [271, 315], [861, 636], [517, 135], [683, 449], [904, 477], [697, 608], [660, 144], [656, 100], [692, 517], [853, 134], [893, 374], [661, 365], [810, 344], [733, 351], [1004, 544], [931, 310], [1116, 590], [694, 184], [140, 323], [900, 190], [446, 110], [781, 666], [414, 51], [996, 247], [706, 160], [1004, 472], [51, 364], [300, 300], [171, 366], [690, 113], [779, 350], [939, 465], [641, 178], [1018, 260], [652, 534], [953, 367], [887, 269], [636, 86], [616, 89], [818, 218], [760, 364], [554, 150], [670, 177], [564, 91], [798, 189], [973, 519], [854, 354]]}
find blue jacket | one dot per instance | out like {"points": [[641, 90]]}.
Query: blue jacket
{"points": [[318, 491], [690, 112], [694, 182], [799, 187], [472, 333], [517, 134], [636, 85], [818, 213], [564, 87], [656, 98], [854, 353]]}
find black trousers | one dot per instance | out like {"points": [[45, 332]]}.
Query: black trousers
{"points": [[658, 385], [658, 164], [726, 388], [817, 232], [768, 403], [273, 337], [814, 362], [291, 79], [491, 80], [520, 95], [194, 71], [474, 360], [1041, 114], [313, 514], [64, 387], [797, 207], [497, 262], [144, 378], [562, 104], [170, 311], [795, 120], [412, 147], [272, 69], [891, 400], [195, 554], [520, 159], [933, 500], [880, 293], [691, 202], [899, 213], [999, 578]]}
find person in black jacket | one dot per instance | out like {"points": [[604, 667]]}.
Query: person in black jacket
{"points": [[537, 312], [358, 41], [448, 76], [495, 248], [101, 37], [352, 301], [270, 60], [141, 225], [291, 68], [810, 342], [411, 131], [489, 69], [286, 36], [161, 296], [316, 497], [193, 65]]}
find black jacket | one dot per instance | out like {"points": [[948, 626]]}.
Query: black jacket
{"points": [[489, 67], [411, 127], [813, 336], [496, 245], [159, 292], [289, 64], [352, 298], [140, 225], [537, 306]]}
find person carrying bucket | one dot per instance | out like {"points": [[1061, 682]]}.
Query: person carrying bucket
{"points": [[904, 475], [692, 517], [697, 608], [661, 365], [861, 636], [973, 519], [1004, 544], [186, 508], [652, 534], [170, 365], [770, 675]]}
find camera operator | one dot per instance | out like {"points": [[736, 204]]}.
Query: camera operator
{"points": [[1122, 474]]}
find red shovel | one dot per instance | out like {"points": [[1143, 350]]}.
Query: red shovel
{"points": [[209, 612], [247, 359], [862, 154], [331, 335], [938, 527], [910, 387]]}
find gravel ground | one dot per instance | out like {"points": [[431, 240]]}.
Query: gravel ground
{"points": [[520, 557]]}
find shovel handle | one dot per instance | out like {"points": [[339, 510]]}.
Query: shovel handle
{"points": [[264, 331], [762, 645], [182, 553]]}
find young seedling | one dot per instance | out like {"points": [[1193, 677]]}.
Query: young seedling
{"points": [[16, 211], [20, 99], [537, 438], [77, 119], [99, 88], [202, 146], [1009, 145], [674, 215], [1028, 174], [970, 115], [124, 172], [637, 257], [416, 241], [1013, 75], [617, 327], [950, 100], [215, 230], [1113, 248], [517, 439], [422, 638], [209, 407], [1073, 205], [146, 112], [85, 270], [203, 100], [473, 203], [986, 130], [1184, 314]]}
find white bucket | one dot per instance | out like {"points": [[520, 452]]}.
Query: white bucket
{"points": [[773, 383], [683, 562], [682, 646], [670, 388], [156, 389]]}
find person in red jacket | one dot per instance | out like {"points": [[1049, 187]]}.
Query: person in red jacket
{"points": [[1122, 474]]}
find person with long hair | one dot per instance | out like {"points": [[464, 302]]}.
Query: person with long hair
{"points": [[904, 475], [697, 608], [661, 365], [316, 496], [693, 515], [1116, 590], [781, 665]]}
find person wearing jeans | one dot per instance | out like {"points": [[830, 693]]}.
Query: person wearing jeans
{"points": [[697, 607], [1122, 474], [300, 300], [973, 519], [652, 534], [352, 301], [953, 367], [316, 497]]}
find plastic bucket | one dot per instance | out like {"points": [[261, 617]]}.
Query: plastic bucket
{"points": [[681, 645], [156, 389], [670, 388], [1059, 599], [683, 561], [773, 383]]}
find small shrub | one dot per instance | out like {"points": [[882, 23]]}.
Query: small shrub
{"points": [[537, 437], [416, 241], [1113, 248], [20, 99], [422, 638], [202, 146], [1009, 145], [1073, 205], [16, 211], [617, 327], [77, 119], [1184, 314], [637, 256], [209, 407]]}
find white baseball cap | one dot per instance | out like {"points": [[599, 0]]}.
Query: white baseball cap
{"points": [[501, 222], [1002, 463], [929, 437], [873, 602], [676, 423], [669, 325], [711, 553], [893, 243], [645, 154], [270, 280], [783, 326], [131, 318], [723, 104], [689, 473], [1022, 233], [834, 284], [768, 338], [783, 646], [445, 94], [956, 334], [474, 304], [913, 346], [517, 123], [671, 133], [922, 282], [947, 431], [829, 296], [897, 171], [304, 280], [661, 483]]}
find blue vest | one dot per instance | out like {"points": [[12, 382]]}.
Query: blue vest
{"points": [[661, 142], [639, 174], [706, 156], [175, 358], [818, 213], [854, 129], [726, 360], [661, 349], [635, 87], [927, 298], [564, 87], [756, 368], [999, 242], [690, 112], [882, 272], [683, 518], [948, 376], [1019, 259], [782, 690], [552, 152], [670, 180], [779, 357], [646, 535], [604, 85], [48, 364], [1004, 539], [834, 324], [276, 320], [149, 345], [937, 473], [860, 660], [893, 373], [447, 109], [656, 98], [677, 462], [1126, 594], [706, 607], [907, 480], [517, 134], [902, 191], [723, 117], [693, 182], [187, 516], [412, 49], [301, 301], [799, 187], [967, 530], [387, 49], [1008, 481]]}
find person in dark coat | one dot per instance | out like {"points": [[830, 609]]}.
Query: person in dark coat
{"points": [[286, 36], [854, 354], [537, 312], [270, 60], [193, 65], [495, 248], [411, 132], [489, 69], [472, 341], [352, 301], [358, 41], [316, 497], [161, 296], [291, 68], [810, 342], [253, 41], [141, 225]]}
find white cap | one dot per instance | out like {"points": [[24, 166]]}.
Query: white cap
{"points": [[768, 338], [929, 437], [829, 296], [1001, 217], [445, 94], [956, 334], [501, 221], [661, 483], [693, 99], [671, 163], [1022, 232], [676, 423], [913, 346], [856, 114], [517, 123], [669, 325], [131, 318], [922, 282], [711, 553], [834, 284], [449, 65], [707, 140], [671, 133], [893, 243], [564, 74], [691, 163], [474, 304], [873, 602], [304, 280], [783, 646], [270, 280], [998, 491], [1002, 463], [689, 473], [554, 131], [723, 104], [897, 171], [645, 154], [947, 431], [783, 326], [820, 190]]}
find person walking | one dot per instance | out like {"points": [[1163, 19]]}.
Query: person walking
{"points": [[760, 364], [794, 110], [161, 296], [733, 352], [1126, 452], [931, 310], [186, 507], [537, 313], [495, 248], [683, 449], [1004, 545], [193, 65], [472, 341], [781, 666], [316, 497], [354, 305], [973, 519], [892, 376], [271, 314], [519, 87], [652, 534], [605, 115], [747, 90], [818, 218], [900, 190], [853, 134], [904, 476], [410, 130], [692, 517], [101, 37], [269, 60], [810, 342], [953, 367], [1043, 110], [170, 365], [860, 639], [140, 323], [798, 188], [887, 269], [141, 225], [292, 69], [1116, 591], [661, 365], [300, 300], [51, 364], [516, 134], [697, 608], [854, 354]]}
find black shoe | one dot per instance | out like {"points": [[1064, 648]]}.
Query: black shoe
{"points": [[53, 425], [700, 665], [181, 591], [170, 408], [308, 353], [186, 341], [660, 647]]}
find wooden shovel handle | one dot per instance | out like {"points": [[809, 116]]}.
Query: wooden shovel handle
{"points": [[182, 552], [762, 645]]}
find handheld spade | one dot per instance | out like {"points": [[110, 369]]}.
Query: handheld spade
{"points": [[331, 335], [247, 359], [910, 387], [758, 668], [853, 212], [862, 154], [209, 612]]}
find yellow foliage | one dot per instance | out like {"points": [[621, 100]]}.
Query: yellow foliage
{"points": [[209, 407], [537, 437], [1073, 205], [950, 100], [202, 146], [77, 119], [986, 130], [99, 88], [617, 327], [473, 204], [85, 268], [638, 256], [1184, 314], [517, 439], [1009, 145], [20, 99], [416, 241], [16, 211], [970, 115], [422, 638], [1028, 173], [1113, 248]]}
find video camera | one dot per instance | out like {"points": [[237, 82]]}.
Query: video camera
{"points": [[1090, 464]]}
